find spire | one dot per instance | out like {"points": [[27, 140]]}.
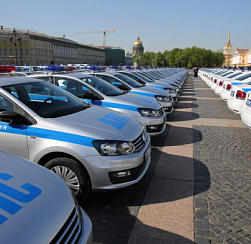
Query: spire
{"points": [[228, 40]]}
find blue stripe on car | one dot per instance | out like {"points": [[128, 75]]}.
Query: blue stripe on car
{"points": [[143, 94], [112, 105]]}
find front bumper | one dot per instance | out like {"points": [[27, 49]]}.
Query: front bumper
{"points": [[99, 168]]}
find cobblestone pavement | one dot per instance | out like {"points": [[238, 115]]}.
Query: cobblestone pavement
{"points": [[223, 186]]}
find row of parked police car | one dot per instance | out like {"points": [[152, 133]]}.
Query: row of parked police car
{"points": [[234, 87], [92, 128]]}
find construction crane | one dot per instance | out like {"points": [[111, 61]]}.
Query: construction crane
{"points": [[104, 32]]}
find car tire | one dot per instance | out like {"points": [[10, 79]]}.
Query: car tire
{"points": [[74, 174]]}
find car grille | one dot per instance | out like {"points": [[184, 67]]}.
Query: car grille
{"points": [[70, 232], [161, 112], [139, 143]]}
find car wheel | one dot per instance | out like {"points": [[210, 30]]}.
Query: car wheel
{"points": [[74, 175]]}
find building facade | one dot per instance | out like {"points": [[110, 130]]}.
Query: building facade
{"points": [[128, 59], [240, 58], [36, 48]]}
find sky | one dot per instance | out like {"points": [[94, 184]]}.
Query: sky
{"points": [[160, 24]]}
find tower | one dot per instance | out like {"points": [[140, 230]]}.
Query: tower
{"points": [[228, 51]]}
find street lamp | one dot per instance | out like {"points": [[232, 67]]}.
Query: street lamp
{"points": [[15, 40]]}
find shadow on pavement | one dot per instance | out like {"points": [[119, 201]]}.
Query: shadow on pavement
{"points": [[114, 214], [187, 99], [181, 116], [181, 105]]}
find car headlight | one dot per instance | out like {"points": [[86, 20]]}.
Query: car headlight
{"points": [[161, 98], [147, 112], [167, 89], [113, 148]]}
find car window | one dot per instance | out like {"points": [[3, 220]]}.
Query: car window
{"points": [[5, 104], [102, 86], [243, 77], [45, 99], [73, 86], [128, 80]]}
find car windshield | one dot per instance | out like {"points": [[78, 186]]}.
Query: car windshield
{"points": [[155, 74], [128, 80], [228, 73], [159, 74], [102, 86], [45, 99], [150, 75], [235, 74], [143, 77], [243, 77]]}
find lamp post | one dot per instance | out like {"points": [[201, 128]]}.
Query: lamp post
{"points": [[15, 40]]}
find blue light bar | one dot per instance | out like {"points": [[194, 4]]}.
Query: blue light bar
{"points": [[54, 68], [128, 67]]}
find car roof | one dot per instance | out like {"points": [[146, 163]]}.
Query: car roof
{"points": [[13, 80], [76, 75]]}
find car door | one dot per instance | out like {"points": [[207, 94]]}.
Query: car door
{"points": [[12, 136]]}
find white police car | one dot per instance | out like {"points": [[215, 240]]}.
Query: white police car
{"points": [[36, 206], [246, 111], [100, 92], [127, 84], [90, 147], [144, 80]]}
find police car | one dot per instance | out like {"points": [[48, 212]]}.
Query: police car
{"points": [[151, 76], [36, 206], [100, 92], [90, 147], [246, 111], [219, 84], [227, 84], [144, 80], [127, 84], [237, 97]]}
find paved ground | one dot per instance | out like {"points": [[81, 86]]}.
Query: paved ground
{"points": [[198, 187]]}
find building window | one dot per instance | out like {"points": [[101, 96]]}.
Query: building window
{"points": [[27, 52], [4, 42], [26, 43], [5, 52], [0, 52], [21, 43], [17, 52], [21, 52], [11, 52], [1, 62]]}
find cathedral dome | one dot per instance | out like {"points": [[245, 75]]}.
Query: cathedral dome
{"points": [[137, 42]]}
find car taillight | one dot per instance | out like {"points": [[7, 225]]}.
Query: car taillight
{"points": [[241, 95], [215, 80], [221, 83], [228, 87], [6, 68]]}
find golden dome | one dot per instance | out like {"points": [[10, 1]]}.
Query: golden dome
{"points": [[138, 42]]}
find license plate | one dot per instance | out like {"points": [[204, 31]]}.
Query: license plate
{"points": [[232, 93], [224, 86], [249, 103], [148, 153]]}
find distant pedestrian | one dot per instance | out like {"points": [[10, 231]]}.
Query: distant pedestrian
{"points": [[195, 70]]}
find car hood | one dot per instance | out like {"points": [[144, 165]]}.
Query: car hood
{"points": [[100, 123], [34, 194], [150, 91]]}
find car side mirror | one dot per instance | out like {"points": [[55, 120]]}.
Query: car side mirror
{"points": [[8, 116], [90, 96]]}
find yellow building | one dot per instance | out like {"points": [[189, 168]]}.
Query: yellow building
{"points": [[228, 52], [31, 47], [240, 58]]}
